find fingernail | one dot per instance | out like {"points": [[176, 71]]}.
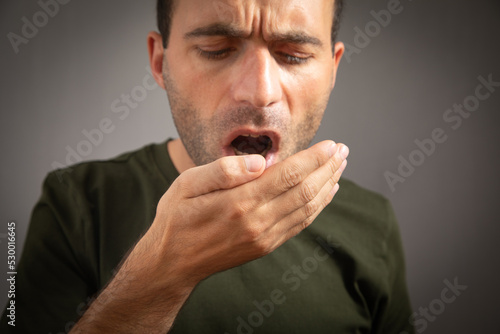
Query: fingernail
{"points": [[332, 149], [344, 152], [254, 162]]}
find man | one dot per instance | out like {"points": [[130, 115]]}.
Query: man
{"points": [[217, 248]]}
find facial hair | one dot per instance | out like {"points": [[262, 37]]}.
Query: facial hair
{"points": [[203, 136]]}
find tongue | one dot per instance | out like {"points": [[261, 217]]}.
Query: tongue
{"points": [[251, 145]]}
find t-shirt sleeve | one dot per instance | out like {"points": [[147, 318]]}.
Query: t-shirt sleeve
{"points": [[396, 315], [53, 282]]}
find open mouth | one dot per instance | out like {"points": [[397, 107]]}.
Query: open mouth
{"points": [[252, 144]]}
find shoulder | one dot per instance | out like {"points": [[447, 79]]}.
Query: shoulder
{"points": [[354, 197], [124, 165], [91, 202], [359, 216], [92, 189]]}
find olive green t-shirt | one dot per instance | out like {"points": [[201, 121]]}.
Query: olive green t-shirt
{"points": [[343, 274]]}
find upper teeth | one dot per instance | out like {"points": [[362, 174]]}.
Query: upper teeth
{"points": [[249, 135]]}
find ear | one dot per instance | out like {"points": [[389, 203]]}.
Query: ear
{"points": [[156, 52], [337, 55]]}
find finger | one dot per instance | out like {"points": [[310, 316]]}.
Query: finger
{"points": [[306, 212], [305, 194], [290, 172], [224, 173], [339, 171], [309, 219]]}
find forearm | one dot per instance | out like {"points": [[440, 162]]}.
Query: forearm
{"points": [[142, 298]]}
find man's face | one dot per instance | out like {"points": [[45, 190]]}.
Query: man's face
{"points": [[249, 76]]}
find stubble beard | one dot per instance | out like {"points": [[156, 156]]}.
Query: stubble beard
{"points": [[202, 137]]}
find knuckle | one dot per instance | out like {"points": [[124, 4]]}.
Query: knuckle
{"points": [[182, 184], [308, 221], [252, 234], [332, 166], [239, 210], [332, 182], [308, 191], [319, 159], [262, 248], [319, 156], [310, 208], [304, 224], [254, 237], [291, 176], [227, 170], [336, 177], [326, 201]]}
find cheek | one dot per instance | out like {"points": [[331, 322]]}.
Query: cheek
{"points": [[308, 93], [195, 84]]}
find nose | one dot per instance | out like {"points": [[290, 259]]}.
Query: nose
{"points": [[257, 79]]}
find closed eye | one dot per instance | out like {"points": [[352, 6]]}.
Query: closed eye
{"points": [[292, 60], [224, 53], [215, 55]]}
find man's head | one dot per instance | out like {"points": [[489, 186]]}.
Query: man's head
{"points": [[249, 76]]}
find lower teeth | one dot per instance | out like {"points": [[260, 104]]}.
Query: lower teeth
{"points": [[238, 152]]}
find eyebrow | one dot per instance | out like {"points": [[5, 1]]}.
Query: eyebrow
{"points": [[225, 30], [216, 29], [296, 38]]}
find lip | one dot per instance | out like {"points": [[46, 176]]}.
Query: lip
{"points": [[272, 154]]}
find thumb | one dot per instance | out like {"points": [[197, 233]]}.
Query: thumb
{"points": [[224, 173]]}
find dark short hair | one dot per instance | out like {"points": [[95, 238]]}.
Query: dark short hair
{"points": [[165, 10]]}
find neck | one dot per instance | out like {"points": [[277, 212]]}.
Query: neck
{"points": [[181, 159]]}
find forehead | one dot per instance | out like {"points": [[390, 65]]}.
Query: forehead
{"points": [[265, 16]]}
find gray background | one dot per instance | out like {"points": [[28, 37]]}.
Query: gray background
{"points": [[394, 91]]}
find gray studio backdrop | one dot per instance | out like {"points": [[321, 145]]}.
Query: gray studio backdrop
{"points": [[396, 104]]}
